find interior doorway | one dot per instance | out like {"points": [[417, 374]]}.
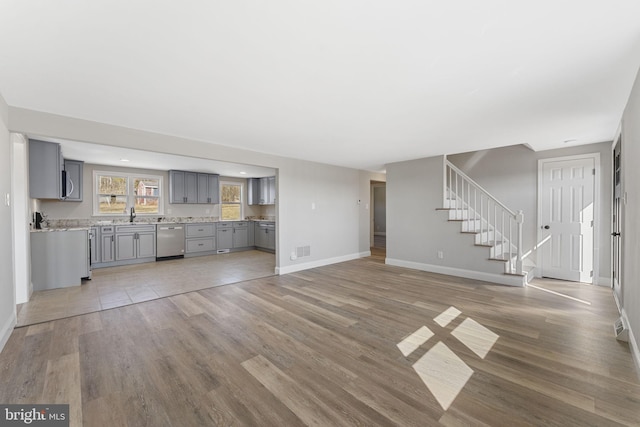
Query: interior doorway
{"points": [[378, 237], [617, 219], [568, 203]]}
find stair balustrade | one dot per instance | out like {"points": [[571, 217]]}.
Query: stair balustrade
{"points": [[496, 225]]}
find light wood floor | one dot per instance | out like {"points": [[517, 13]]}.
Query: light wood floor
{"points": [[119, 286], [356, 343]]}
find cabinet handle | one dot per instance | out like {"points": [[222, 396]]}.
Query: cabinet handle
{"points": [[111, 239], [200, 244], [200, 229]]}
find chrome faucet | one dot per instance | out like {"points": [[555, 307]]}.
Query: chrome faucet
{"points": [[132, 214]]}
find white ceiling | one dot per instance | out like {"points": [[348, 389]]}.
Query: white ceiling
{"points": [[348, 82]]}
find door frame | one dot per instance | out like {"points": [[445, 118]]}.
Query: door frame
{"points": [[372, 185], [596, 210], [618, 298]]}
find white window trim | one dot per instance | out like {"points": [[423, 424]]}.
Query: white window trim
{"points": [[130, 192], [239, 203]]}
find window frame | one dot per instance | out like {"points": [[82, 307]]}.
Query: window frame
{"points": [[130, 194], [239, 184]]}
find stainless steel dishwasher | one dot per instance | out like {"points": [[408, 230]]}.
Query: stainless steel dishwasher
{"points": [[170, 241]]}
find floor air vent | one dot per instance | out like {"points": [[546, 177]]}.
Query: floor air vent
{"points": [[621, 330]]}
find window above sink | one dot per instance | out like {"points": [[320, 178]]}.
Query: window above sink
{"points": [[115, 193]]}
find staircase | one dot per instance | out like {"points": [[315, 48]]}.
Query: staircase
{"points": [[490, 222]]}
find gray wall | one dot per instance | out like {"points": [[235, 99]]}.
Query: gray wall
{"points": [[7, 291], [333, 229], [380, 209], [631, 224], [416, 232], [84, 209], [511, 175]]}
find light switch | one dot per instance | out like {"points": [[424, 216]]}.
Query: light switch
{"points": [[313, 205], [7, 199]]}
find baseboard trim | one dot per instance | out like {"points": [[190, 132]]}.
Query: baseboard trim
{"points": [[633, 343], [321, 262], [7, 329], [604, 282], [501, 279]]}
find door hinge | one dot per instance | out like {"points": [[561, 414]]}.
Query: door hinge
{"points": [[594, 171], [591, 223], [591, 273]]}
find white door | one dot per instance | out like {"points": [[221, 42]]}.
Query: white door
{"points": [[617, 219], [567, 213]]}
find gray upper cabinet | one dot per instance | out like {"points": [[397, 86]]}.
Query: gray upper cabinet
{"points": [[192, 187], [183, 187], [208, 189], [261, 191], [73, 169], [45, 170], [253, 191], [271, 186]]}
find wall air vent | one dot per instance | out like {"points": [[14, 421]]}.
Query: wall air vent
{"points": [[302, 251]]}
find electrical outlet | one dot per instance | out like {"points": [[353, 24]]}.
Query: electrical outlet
{"points": [[440, 255], [313, 206], [7, 199]]}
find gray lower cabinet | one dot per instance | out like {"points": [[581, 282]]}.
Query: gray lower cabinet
{"points": [[94, 245], [59, 259], [200, 238], [73, 169], [224, 238], [240, 234], [107, 244], [135, 242], [265, 235]]}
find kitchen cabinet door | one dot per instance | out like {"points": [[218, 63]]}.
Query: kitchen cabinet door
{"points": [[203, 188], [183, 187], [240, 237], [214, 189], [125, 246], [253, 191], [94, 239], [271, 238], [146, 245], [208, 191], [107, 248], [224, 238], [45, 170], [264, 191], [191, 187], [177, 187], [271, 188], [260, 235], [73, 169]]}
